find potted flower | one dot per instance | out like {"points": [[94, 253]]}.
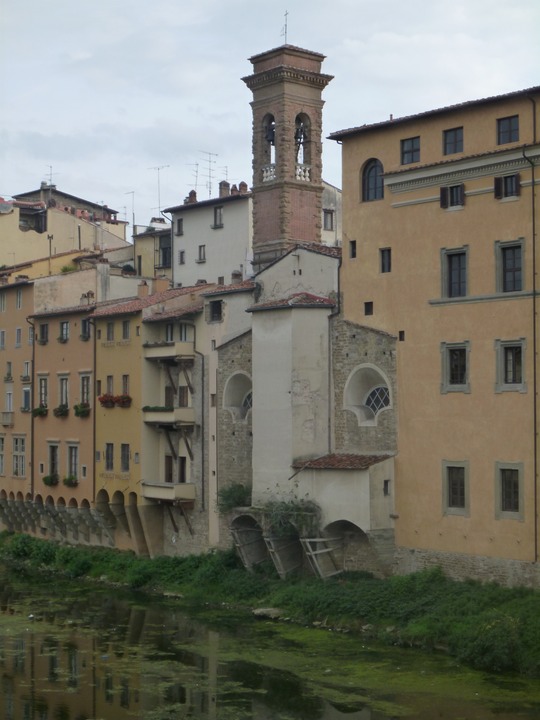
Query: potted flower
{"points": [[61, 411], [40, 411], [50, 480], [70, 481], [107, 400], [123, 400], [82, 410]]}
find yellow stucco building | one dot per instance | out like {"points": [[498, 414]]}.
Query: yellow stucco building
{"points": [[440, 225]]}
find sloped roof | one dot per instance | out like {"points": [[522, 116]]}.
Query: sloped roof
{"points": [[337, 461], [175, 313], [135, 305], [297, 300], [429, 113], [244, 286], [317, 248]]}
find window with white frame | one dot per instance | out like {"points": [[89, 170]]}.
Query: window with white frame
{"points": [[125, 384], [169, 332], [64, 331], [30, 334], [110, 331], [27, 368], [509, 500], [218, 217], [184, 332], [9, 401], [73, 461], [124, 457], [26, 399], [109, 457], [19, 456], [43, 388], [85, 388], [110, 385], [18, 337], [126, 329], [63, 390], [53, 459]]}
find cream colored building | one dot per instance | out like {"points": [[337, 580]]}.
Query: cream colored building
{"points": [[440, 223]]}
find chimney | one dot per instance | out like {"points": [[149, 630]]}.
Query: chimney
{"points": [[236, 277], [142, 289], [234, 190], [224, 189], [191, 198], [160, 284], [243, 188]]}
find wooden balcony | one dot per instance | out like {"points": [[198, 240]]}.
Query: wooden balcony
{"points": [[169, 351], [169, 416], [168, 491]]}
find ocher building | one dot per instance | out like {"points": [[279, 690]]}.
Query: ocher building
{"points": [[440, 225]]}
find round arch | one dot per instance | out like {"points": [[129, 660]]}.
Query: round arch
{"points": [[367, 393], [238, 395]]}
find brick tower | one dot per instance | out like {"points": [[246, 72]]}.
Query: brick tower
{"points": [[287, 85]]}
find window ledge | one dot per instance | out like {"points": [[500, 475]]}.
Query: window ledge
{"points": [[199, 262]]}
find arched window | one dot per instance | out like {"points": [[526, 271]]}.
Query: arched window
{"points": [[238, 396], [378, 398], [269, 139], [367, 393], [372, 181]]}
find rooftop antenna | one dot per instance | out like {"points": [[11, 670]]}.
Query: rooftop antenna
{"points": [[132, 193], [196, 174], [159, 168], [225, 170], [284, 28], [210, 161]]}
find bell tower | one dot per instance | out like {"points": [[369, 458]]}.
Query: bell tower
{"points": [[287, 86]]}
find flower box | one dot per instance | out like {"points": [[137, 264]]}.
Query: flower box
{"points": [[123, 401], [41, 411], [61, 411], [50, 480], [107, 401], [70, 481], [82, 410]]}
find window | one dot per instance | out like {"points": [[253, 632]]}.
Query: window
{"points": [[179, 226], [110, 385], [43, 333], [455, 367], [9, 401], [19, 456], [368, 308], [2, 454], [452, 196], [454, 272], [453, 141], [30, 334], [26, 399], [53, 459], [3, 302], [85, 329], [183, 396], [410, 150], [352, 249], [124, 458], [43, 391], [508, 129], [64, 331], [378, 398], [218, 217], [9, 370], [509, 491], [85, 388], [169, 332], [125, 384], [165, 252], [509, 266], [2, 339], [509, 366], [27, 368], [109, 456], [372, 181], [507, 186], [455, 488], [181, 257], [110, 331], [216, 311], [202, 254], [18, 337], [125, 329], [328, 219], [73, 461], [184, 332], [386, 259], [64, 387], [18, 299]]}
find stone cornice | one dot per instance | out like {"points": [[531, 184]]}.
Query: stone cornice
{"points": [[287, 74]]}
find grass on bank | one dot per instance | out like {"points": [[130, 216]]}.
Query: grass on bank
{"points": [[485, 626]]}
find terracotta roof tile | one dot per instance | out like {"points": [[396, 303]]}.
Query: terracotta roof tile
{"points": [[175, 313], [135, 305], [298, 300], [336, 461], [243, 286]]}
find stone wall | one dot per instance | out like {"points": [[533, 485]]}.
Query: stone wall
{"points": [[352, 346]]}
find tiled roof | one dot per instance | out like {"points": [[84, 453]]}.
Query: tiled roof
{"points": [[73, 310], [209, 202], [336, 461], [298, 300], [175, 313], [244, 286], [438, 111], [135, 305], [313, 247]]}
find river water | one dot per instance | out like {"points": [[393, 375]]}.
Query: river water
{"points": [[74, 651]]}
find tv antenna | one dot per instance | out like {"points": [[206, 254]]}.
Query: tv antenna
{"points": [[284, 28], [210, 161], [195, 174], [158, 169]]}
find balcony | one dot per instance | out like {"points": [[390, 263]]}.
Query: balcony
{"points": [[168, 416], [6, 419], [168, 491], [169, 350]]}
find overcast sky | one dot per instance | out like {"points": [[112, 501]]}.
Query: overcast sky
{"points": [[103, 92]]}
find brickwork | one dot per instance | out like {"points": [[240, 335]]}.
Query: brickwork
{"points": [[352, 346], [511, 573], [234, 440]]}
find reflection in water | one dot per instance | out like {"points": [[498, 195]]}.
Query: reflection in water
{"points": [[76, 653]]}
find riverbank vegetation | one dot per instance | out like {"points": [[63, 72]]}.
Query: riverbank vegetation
{"points": [[484, 626]]}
